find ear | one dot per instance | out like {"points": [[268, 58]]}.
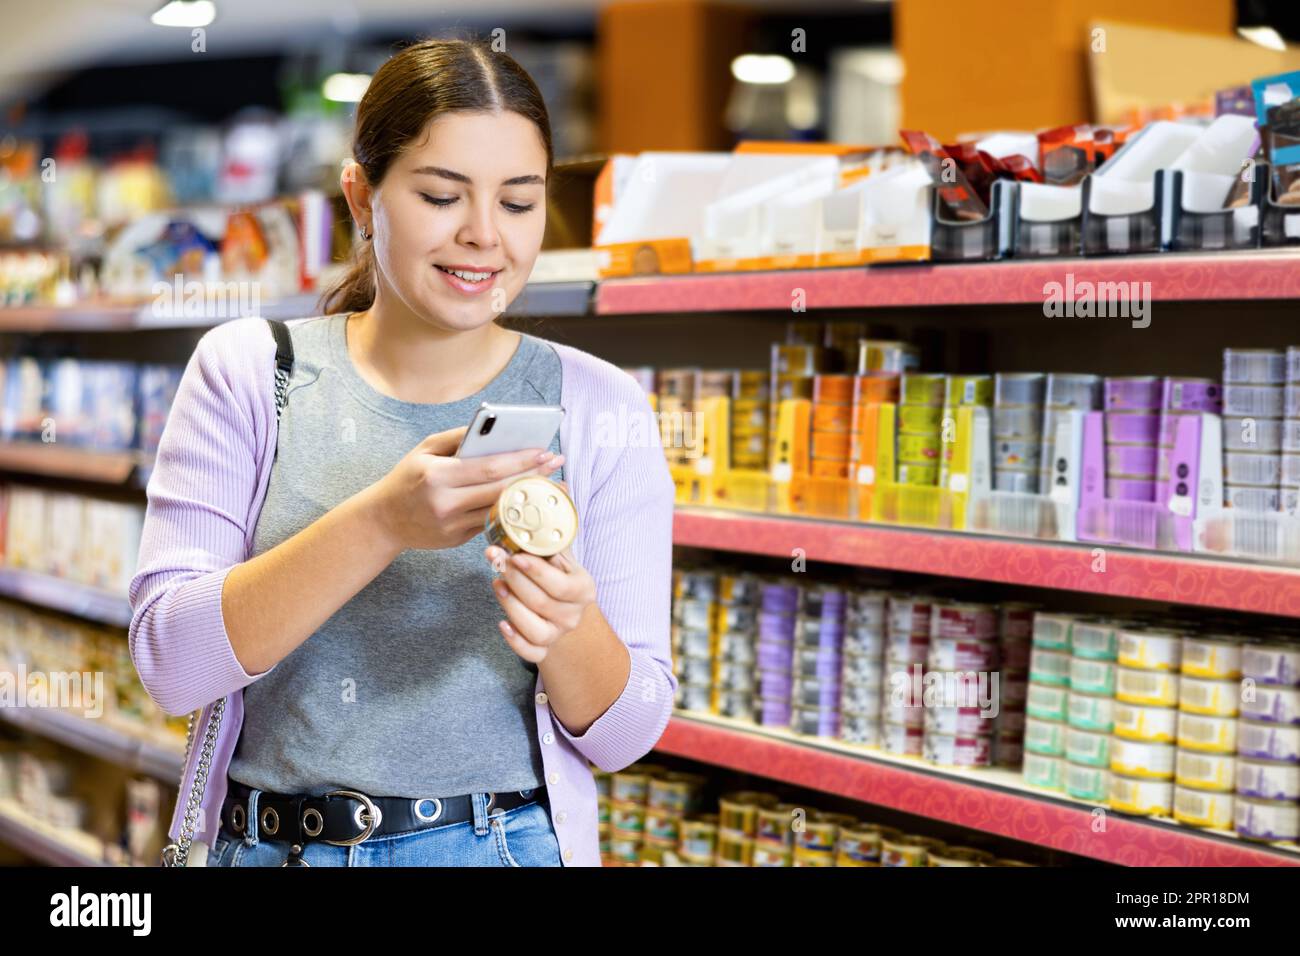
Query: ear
{"points": [[357, 191]]}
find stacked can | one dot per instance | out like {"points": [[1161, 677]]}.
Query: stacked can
{"points": [[1179, 398], [818, 657], [1089, 708], [1205, 765], [920, 427], [1254, 389], [735, 625], [738, 825], [1290, 490], [1047, 701], [1268, 743], [877, 357], [1062, 393], [907, 646], [774, 831], [793, 369], [774, 653], [670, 798], [959, 390], [694, 592], [1146, 721], [1015, 637], [832, 418], [862, 676], [629, 789], [1018, 431], [816, 842], [1132, 436], [677, 393], [698, 843], [962, 656], [750, 394]]}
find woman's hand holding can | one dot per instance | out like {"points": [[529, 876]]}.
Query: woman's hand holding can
{"points": [[432, 499], [543, 598]]}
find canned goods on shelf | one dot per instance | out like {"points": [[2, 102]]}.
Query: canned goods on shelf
{"points": [[1252, 434], [1213, 657], [874, 389], [1134, 758], [734, 850], [1254, 366], [1069, 390], [1268, 741], [1015, 454], [1205, 771], [1023, 422], [1144, 723], [1092, 676], [1052, 631], [1084, 782], [1256, 401], [1272, 704], [877, 355], [1202, 808], [957, 722], [909, 615], [771, 855], [900, 739], [699, 837], [1192, 395], [861, 729], [921, 420], [922, 388], [1043, 770], [678, 383], [1246, 468], [1045, 737], [1156, 688], [1095, 639], [1047, 703], [968, 390], [962, 654], [1251, 499], [1271, 663], [832, 389], [1014, 655], [1199, 695], [736, 703], [1049, 667], [907, 850], [858, 845], [1150, 650], [775, 824], [832, 418], [1019, 388], [1088, 747], [964, 619], [738, 810], [695, 697], [1266, 819], [662, 826], [750, 384], [959, 856], [1268, 779], [1141, 796], [1207, 733], [1090, 711], [802, 360], [1132, 392]]}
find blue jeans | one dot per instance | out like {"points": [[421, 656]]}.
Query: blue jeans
{"points": [[519, 837]]}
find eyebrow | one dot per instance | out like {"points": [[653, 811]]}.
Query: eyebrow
{"points": [[462, 178]]}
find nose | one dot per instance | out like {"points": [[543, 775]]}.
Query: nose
{"points": [[479, 230]]}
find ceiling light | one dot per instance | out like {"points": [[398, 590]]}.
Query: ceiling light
{"points": [[1266, 37], [345, 87], [762, 68]]}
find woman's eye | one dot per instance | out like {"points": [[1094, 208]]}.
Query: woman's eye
{"points": [[518, 208], [438, 200]]}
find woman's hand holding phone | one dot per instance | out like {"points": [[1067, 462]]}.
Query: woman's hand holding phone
{"points": [[431, 499]]}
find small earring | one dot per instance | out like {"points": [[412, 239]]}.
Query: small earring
{"points": [[364, 234]]}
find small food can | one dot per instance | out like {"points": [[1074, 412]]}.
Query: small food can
{"points": [[1205, 733], [1090, 711], [1141, 796], [1266, 741], [1218, 658], [1148, 761], [907, 850], [859, 845], [699, 837], [1268, 779], [1220, 698], [1092, 676], [1267, 819], [1087, 747], [969, 390], [1095, 638], [1085, 782], [1147, 724], [1052, 631], [1042, 770], [1047, 703], [1150, 650], [922, 388], [1277, 705], [533, 515], [1049, 667], [1045, 737], [1202, 771], [1203, 808]]}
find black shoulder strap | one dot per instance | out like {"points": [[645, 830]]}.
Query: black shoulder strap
{"points": [[283, 362]]}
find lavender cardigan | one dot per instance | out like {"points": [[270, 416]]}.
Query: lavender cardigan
{"points": [[204, 498]]}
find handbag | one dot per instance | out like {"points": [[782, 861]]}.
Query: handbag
{"points": [[184, 852]]}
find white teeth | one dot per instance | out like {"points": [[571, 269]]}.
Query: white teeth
{"points": [[469, 276]]}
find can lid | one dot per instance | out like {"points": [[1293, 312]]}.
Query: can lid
{"points": [[537, 515]]}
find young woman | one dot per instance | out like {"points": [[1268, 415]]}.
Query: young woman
{"points": [[377, 687]]}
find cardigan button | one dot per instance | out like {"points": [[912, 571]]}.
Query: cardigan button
{"points": [[548, 738], [568, 855], [561, 817], [553, 779], [541, 698]]}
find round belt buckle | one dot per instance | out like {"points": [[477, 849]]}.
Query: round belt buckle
{"points": [[373, 817]]}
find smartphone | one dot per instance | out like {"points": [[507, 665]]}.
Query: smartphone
{"points": [[505, 428]]}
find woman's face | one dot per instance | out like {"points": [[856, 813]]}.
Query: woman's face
{"points": [[467, 198]]}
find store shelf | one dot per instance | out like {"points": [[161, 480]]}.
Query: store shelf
{"points": [[59, 594], [993, 801], [553, 299], [80, 464], [36, 838], [1189, 579], [537, 299], [1174, 278], [100, 737]]}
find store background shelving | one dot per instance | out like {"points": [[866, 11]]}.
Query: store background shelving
{"points": [[988, 800]]}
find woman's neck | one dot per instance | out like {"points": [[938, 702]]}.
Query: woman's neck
{"points": [[412, 360]]}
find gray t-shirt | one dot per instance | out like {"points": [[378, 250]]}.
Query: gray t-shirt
{"points": [[408, 689]]}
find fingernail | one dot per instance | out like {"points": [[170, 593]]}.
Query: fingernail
{"points": [[544, 456]]}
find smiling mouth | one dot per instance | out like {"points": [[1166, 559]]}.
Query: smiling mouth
{"points": [[467, 280]]}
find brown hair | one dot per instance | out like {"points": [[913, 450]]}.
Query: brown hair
{"points": [[423, 81]]}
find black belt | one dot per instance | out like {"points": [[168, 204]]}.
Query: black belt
{"points": [[347, 817]]}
